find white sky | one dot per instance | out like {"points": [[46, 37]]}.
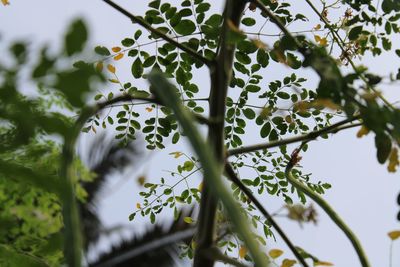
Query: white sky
{"points": [[363, 192]]}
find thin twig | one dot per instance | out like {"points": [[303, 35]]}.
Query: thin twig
{"points": [[143, 23], [306, 137], [214, 254], [233, 177]]}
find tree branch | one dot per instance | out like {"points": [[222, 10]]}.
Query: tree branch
{"points": [[233, 177], [214, 254], [306, 137], [126, 97], [220, 77], [143, 23], [274, 19]]}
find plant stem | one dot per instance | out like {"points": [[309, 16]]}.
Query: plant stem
{"points": [[220, 77], [334, 128], [233, 177], [215, 254], [143, 23]]}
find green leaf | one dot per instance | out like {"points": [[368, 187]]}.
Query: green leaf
{"points": [[155, 4], [102, 51], [137, 68], [185, 27], [262, 58], [253, 88], [265, 130], [355, 32], [149, 61], [283, 95], [249, 21], [127, 42], [203, 7], [249, 113], [76, 37], [384, 146], [175, 138]]}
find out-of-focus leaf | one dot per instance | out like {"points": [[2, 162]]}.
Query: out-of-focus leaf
{"points": [[76, 37]]}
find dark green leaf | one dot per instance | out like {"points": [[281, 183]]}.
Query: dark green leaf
{"points": [[76, 37], [384, 146], [265, 130], [102, 51], [185, 27], [137, 68], [355, 32]]}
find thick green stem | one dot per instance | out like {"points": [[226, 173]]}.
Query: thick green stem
{"points": [[326, 207], [212, 169]]}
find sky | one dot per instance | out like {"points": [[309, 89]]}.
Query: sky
{"points": [[363, 192]]}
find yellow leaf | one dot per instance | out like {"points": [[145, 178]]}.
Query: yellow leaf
{"points": [[5, 2], [394, 234], [193, 244], [148, 109], [141, 179], [138, 205], [119, 56], [188, 220], [116, 49], [275, 253], [111, 68], [99, 66], [323, 41], [113, 80], [320, 40], [323, 263], [176, 154], [363, 131], [242, 252], [200, 187], [288, 263], [317, 27], [393, 160]]}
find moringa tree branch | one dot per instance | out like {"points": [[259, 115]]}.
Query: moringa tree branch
{"points": [[144, 24], [334, 128], [233, 177]]}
